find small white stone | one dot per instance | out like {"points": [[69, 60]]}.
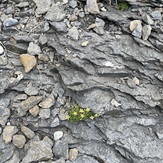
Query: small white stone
{"points": [[1, 50], [57, 135], [115, 103], [136, 81]]}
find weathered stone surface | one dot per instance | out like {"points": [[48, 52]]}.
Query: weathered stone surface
{"points": [[27, 132], [8, 133], [34, 111], [48, 102], [92, 6], [44, 113], [15, 158], [55, 13], [19, 141], [33, 49], [28, 61], [73, 154], [58, 135], [27, 104], [60, 149], [42, 6], [38, 150], [146, 31], [73, 33]]}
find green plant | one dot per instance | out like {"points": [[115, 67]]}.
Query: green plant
{"points": [[123, 6], [76, 114]]}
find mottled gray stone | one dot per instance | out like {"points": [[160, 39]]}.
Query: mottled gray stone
{"points": [[55, 13], [136, 138], [42, 6], [138, 31], [44, 113], [8, 133], [43, 39], [92, 6], [4, 115], [33, 49], [156, 15], [146, 31], [15, 158], [73, 33], [148, 19], [59, 26], [27, 104], [73, 3], [55, 122], [38, 150], [60, 149], [31, 90], [27, 132], [19, 141], [47, 102], [10, 22]]}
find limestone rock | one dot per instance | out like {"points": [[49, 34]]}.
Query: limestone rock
{"points": [[10, 22], [27, 132], [33, 49], [60, 149], [92, 6], [73, 33], [58, 135], [42, 6], [48, 102], [55, 13], [133, 24], [146, 31], [8, 133], [19, 141], [73, 154], [38, 150], [85, 43], [28, 61], [34, 111], [44, 113]]}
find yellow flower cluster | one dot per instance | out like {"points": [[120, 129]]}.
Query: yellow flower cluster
{"points": [[76, 114]]}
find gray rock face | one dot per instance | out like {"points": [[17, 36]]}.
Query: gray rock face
{"points": [[38, 150], [55, 13], [60, 149], [10, 22], [42, 6]]}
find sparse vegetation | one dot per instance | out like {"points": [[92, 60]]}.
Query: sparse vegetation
{"points": [[123, 6], [76, 114]]}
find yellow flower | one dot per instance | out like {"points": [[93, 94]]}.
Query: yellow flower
{"points": [[81, 111], [97, 115], [91, 117], [68, 117], [75, 113], [87, 109], [82, 115]]}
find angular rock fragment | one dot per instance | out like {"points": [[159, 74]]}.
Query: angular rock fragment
{"points": [[73, 33], [39, 150], [60, 149], [28, 61], [42, 6], [19, 141], [1, 50], [33, 49], [27, 104], [58, 135], [10, 22], [55, 13], [146, 31], [34, 111], [8, 133], [92, 6], [27, 132], [133, 24], [48, 102], [73, 154]]}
